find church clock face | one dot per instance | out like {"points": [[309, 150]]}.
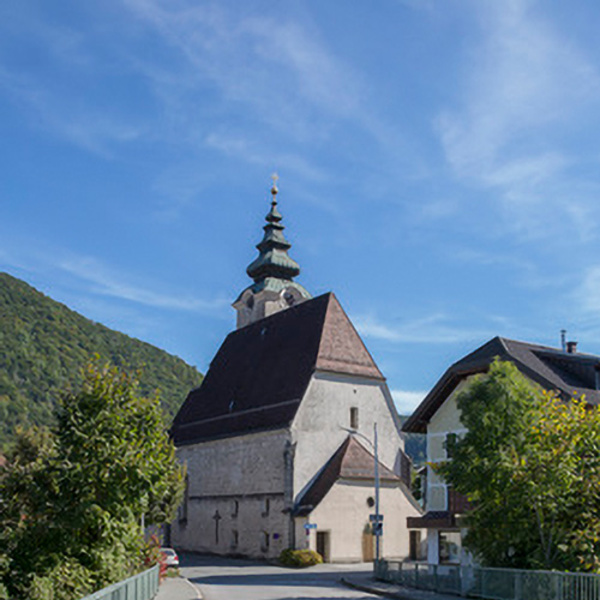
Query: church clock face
{"points": [[289, 298]]}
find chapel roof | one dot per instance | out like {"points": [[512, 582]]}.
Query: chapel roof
{"points": [[261, 372], [351, 461], [567, 373]]}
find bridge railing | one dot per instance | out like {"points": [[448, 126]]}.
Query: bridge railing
{"points": [[491, 584], [143, 586]]}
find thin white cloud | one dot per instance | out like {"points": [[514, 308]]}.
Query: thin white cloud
{"points": [[89, 276], [250, 151], [407, 400], [587, 294], [526, 84], [279, 69], [433, 329], [106, 283], [525, 75], [82, 125]]}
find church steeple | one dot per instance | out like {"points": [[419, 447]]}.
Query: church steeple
{"points": [[273, 259], [273, 272]]}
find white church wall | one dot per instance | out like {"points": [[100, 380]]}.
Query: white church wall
{"points": [[344, 514], [323, 420], [235, 499]]}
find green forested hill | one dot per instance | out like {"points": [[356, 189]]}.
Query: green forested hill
{"points": [[44, 344]]}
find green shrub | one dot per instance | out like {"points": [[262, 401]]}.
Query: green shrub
{"points": [[300, 559], [66, 581]]}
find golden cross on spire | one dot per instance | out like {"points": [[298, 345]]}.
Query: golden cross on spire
{"points": [[274, 189]]}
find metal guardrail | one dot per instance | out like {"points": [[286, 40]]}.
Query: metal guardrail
{"points": [[491, 584], [143, 586]]}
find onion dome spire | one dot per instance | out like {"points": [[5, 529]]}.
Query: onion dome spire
{"points": [[273, 260]]}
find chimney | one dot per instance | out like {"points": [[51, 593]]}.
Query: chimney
{"points": [[563, 339], [571, 347]]}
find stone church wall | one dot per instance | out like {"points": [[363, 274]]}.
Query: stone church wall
{"points": [[236, 496]]}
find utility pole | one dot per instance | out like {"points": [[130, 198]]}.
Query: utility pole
{"points": [[378, 524]]}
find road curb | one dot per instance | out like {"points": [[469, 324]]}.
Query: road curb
{"points": [[195, 587], [375, 590], [178, 588]]}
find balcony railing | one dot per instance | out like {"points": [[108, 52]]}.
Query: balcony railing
{"points": [[457, 503]]}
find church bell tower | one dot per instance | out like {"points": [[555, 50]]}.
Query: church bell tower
{"points": [[273, 272]]}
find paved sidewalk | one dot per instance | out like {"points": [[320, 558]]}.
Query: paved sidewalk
{"points": [[367, 583], [177, 588]]}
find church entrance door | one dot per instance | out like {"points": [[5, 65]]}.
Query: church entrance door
{"points": [[323, 545], [368, 545]]}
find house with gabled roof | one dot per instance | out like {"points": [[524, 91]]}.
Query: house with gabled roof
{"points": [[274, 438], [565, 371]]}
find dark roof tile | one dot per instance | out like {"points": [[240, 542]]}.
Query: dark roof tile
{"points": [[553, 369]]}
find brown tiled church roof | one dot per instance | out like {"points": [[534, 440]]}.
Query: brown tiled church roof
{"points": [[350, 461], [564, 372], [260, 374]]}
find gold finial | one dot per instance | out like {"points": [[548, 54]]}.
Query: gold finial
{"points": [[274, 188]]}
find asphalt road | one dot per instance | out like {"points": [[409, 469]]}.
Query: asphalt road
{"points": [[234, 579]]}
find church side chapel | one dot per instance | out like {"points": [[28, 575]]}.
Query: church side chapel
{"points": [[278, 439]]}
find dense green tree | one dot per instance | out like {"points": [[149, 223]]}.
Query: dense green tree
{"points": [[530, 465], [74, 497]]}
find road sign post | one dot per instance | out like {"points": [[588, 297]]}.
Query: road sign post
{"points": [[377, 528]]}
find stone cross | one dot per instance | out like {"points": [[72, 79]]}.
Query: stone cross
{"points": [[217, 517]]}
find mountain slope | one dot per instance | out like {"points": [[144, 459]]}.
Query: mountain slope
{"points": [[415, 445], [44, 344]]}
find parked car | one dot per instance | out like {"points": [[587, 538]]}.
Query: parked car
{"points": [[171, 558]]}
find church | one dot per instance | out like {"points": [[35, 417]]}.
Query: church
{"points": [[278, 440]]}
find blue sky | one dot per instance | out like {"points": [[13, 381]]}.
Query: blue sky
{"points": [[439, 166]]}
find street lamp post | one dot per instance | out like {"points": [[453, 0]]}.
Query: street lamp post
{"points": [[378, 522]]}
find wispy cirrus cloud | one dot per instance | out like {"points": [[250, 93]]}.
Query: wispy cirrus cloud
{"points": [[252, 151], [586, 295], [526, 85], [407, 400], [257, 60], [91, 277], [93, 129], [433, 329], [105, 282], [581, 307], [213, 63], [275, 68]]}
